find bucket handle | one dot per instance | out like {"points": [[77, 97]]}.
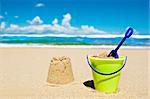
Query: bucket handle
{"points": [[106, 73]]}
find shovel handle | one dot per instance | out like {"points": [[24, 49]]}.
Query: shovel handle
{"points": [[128, 33], [98, 72]]}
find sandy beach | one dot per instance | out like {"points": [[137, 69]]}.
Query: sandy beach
{"points": [[23, 74]]}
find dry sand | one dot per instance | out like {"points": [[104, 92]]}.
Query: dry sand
{"points": [[23, 74]]}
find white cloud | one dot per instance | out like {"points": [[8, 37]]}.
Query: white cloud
{"points": [[35, 21], [14, 26], [16, 16], [2, 25], [40, 5], [55, 21], [62, 29], [66, 20], [47, 28], [90, 29], [1, 17], [37, 26]]}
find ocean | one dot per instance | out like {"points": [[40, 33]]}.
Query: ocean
{"points": [[66, 39]]}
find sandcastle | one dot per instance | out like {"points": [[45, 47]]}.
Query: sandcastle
{"points": [[60, 71]]}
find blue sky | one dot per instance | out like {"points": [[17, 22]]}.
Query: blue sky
{"points": [[110, 16]]}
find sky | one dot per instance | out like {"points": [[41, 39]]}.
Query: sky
{"points": [[73, 16]]}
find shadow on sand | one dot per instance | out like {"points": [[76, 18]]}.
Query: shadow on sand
{"points": [[89, 83]]}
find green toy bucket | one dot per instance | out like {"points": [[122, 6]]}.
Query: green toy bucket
{"points": [[106, 73]]}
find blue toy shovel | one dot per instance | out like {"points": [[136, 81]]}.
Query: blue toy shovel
{"points": [[128, 33]]}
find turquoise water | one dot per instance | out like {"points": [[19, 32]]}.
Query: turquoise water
{"points": [[138, 40]]}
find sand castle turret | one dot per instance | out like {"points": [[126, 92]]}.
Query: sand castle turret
{"points": [[60, 71]]}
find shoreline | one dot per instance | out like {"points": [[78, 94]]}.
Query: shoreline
{"points": [[70, 46], [142, 36]]}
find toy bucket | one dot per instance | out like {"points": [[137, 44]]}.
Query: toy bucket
{"points": [[106, 73]]}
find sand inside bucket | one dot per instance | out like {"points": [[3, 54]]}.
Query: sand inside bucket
{"points": [[103, 55], [60, 71]]}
